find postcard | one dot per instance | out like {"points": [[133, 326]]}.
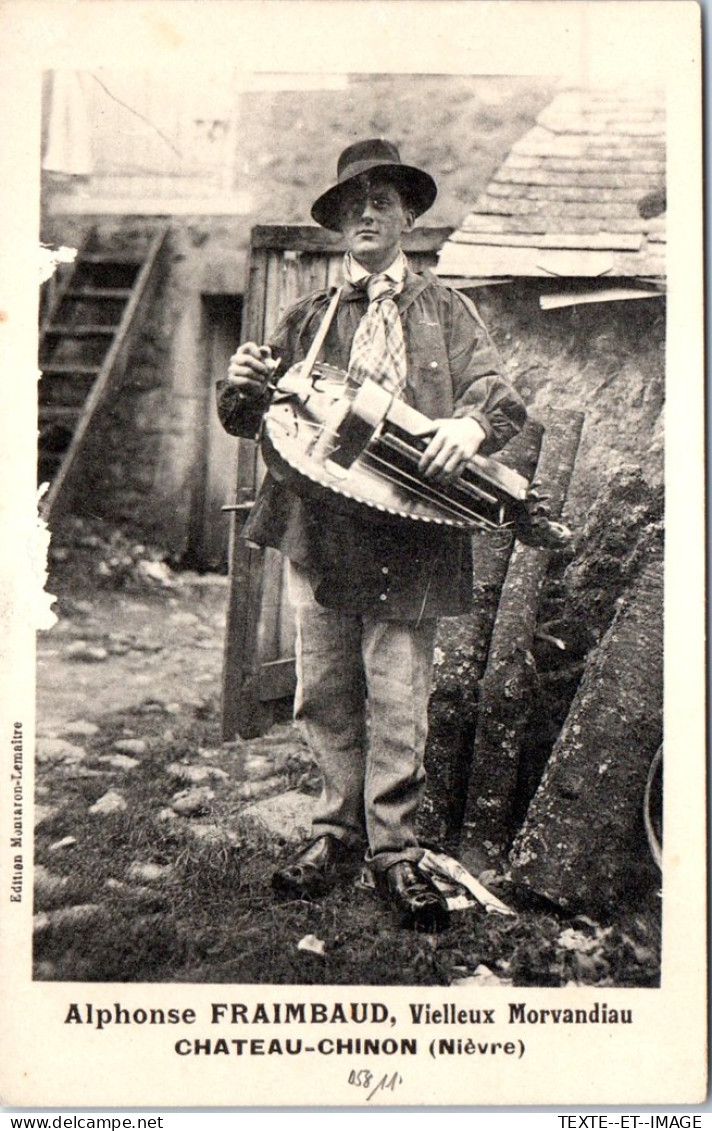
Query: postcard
{"points": [[353, 557]]}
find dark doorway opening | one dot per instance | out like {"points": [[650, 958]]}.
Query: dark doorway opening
{"points": [[216, 452]]}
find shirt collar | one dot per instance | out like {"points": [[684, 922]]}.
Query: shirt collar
{"points": [[395, 271]]}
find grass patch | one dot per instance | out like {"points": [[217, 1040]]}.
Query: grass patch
{"points": [[213, 916]]}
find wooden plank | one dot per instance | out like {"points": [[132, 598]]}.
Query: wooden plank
{"points": [[507, 689], [289, 275], [254, 611], [268, 628], [564, 219], [279, 237], [320, 271], [287, 626], [649, 265], [472, 281], [479, 260], [294, 237], [254, 311], [68, 413], [102, 330], [334, 271], [241, 710], [464, 643], [602, 241], [276, 632], [88, 294], [63, 286], [49, 367], [608, 294], [292, 275], [274, 305]]}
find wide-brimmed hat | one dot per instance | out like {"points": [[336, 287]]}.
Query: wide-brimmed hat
{"points": [[418, 187]]}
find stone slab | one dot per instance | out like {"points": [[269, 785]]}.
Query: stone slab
{"points": [[288, 815]]}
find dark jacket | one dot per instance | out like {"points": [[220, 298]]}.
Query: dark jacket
{"points": [[410, 570]]}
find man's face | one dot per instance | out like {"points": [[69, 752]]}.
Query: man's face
{"points": [[373, 221]]}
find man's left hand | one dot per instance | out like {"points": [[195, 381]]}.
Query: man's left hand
{"points": [[456, 440]]}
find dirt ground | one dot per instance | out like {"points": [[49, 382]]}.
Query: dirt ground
{"points": [[155, 842], [165, 645]]}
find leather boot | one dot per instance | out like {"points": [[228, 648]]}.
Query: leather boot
{"points": [[314, 870], [417, 902]]}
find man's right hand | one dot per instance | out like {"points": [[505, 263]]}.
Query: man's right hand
{"points": [[250, 368]]}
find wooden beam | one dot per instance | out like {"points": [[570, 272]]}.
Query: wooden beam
{"points": [[508, 685], [296, 237], [599, 241], [463, 643]]}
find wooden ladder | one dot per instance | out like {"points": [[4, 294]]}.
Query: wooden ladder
{"points": [[86, 336]]}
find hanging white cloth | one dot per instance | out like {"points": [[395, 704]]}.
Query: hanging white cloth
{"points": [[68, 141]]}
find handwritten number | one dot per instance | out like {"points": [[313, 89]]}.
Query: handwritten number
{"points": [[362, 1078]]}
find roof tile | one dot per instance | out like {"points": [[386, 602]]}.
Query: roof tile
{"points": [[569, 190]]}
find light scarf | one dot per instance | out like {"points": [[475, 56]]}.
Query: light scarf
{"points": [[378, 347]]}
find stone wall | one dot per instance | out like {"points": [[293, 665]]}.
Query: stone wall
{"points": [[606, 360]]}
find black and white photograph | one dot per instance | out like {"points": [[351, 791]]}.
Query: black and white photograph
{"points": [[368, 461]]}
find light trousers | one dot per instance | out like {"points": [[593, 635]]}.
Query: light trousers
{"points": [[363, 685]]}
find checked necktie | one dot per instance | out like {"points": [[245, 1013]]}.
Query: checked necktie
{"points": [[378, 348]]}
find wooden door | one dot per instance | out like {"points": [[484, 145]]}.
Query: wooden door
{"points": [[259, 669]]}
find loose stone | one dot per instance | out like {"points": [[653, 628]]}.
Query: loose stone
{"points": [[79, 913], [81, 727], [46, 883], [258, 767], [196, 774], [120, 761], [287, 815], [148, 873], [192, 802], [86, 653], [213, 834], [58, 750], [45, 813], [250, 790], [111, 802], [131, 745]]}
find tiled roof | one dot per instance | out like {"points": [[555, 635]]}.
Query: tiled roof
{"points": [[565, 201]]}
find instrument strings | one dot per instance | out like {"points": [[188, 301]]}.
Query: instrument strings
{"points": [[416, 487], [379, 466]]}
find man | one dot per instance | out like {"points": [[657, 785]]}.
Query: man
{"points": [[367, 595]]}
